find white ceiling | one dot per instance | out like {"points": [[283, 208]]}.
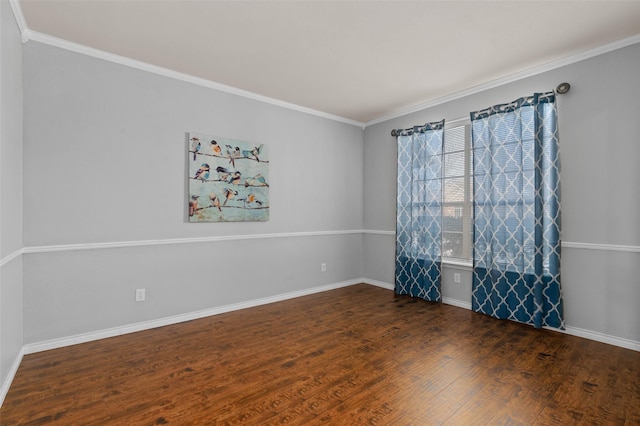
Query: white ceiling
{"points": [[360, 60]]}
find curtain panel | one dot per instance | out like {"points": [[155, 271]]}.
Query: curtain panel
{"points": [[516, 176], [419, 211]]}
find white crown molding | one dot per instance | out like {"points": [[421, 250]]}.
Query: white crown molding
{"points": [[122, 60], [19, 17], [28, 34], [147, 325], [511, 78]]}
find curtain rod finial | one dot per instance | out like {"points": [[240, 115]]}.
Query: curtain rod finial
{"points": [[563, 88]]}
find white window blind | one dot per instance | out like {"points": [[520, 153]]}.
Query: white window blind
{"points": [[457, 208]]}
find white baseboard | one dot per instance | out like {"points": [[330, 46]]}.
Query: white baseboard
{"points": [[600, 337], [445, 300], [6, 384], [456, 302], [378, 283], [146, 325], [574, 331]]}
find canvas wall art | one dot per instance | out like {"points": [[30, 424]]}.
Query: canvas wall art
{"points": [[228, 180]]}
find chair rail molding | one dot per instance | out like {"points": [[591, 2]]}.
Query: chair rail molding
{"points": [[601, 247], [195, 240], [190, 240], [10, 257]]}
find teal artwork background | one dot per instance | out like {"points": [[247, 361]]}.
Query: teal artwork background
{"points": [[228, 180]]}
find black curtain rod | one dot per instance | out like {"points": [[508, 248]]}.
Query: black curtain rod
{"points": [[561, 89]]}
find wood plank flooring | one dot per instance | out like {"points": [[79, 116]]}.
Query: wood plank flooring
{"points": [[353, 356]]}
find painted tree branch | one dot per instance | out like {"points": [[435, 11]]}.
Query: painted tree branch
{"points": [[231, 207], [224, 157], [230, 183]]}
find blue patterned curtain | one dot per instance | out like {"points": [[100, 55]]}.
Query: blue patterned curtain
{"points": [[517, 212], [419, 211]]}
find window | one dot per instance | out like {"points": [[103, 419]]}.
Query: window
{"points": [[457, 206]]}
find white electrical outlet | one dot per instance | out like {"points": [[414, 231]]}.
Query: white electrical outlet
{"points": [[456, 277], [323, 267], [140, 294]]}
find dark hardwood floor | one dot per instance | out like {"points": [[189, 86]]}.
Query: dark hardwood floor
{"points": [[353, 356]]}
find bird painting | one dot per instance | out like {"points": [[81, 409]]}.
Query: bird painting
{"points": [[257, 180], [232, 154], [254, 153], [229, 194], [193, 205], [249, 199], [203, 172], [223, 174], [215, 201], [215, 148], [195, 146], [235, 178], [228, 179], [261, 180]]}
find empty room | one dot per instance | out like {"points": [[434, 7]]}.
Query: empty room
{"points": [[319, 212]]}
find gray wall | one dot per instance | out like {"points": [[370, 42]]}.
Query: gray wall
{"points": [[102, 159], [10, 134], [599, 134], [10, 191], [106, 144]]}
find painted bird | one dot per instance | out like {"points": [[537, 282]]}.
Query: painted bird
{"points": [[235, 179], [215, 201], [255, 152], [203, 172], [229, 194], [215, 148], [261, 180], [223, 174], [232, 154], [195, 145], [193, 204], [251, 198], [257, 180]]}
